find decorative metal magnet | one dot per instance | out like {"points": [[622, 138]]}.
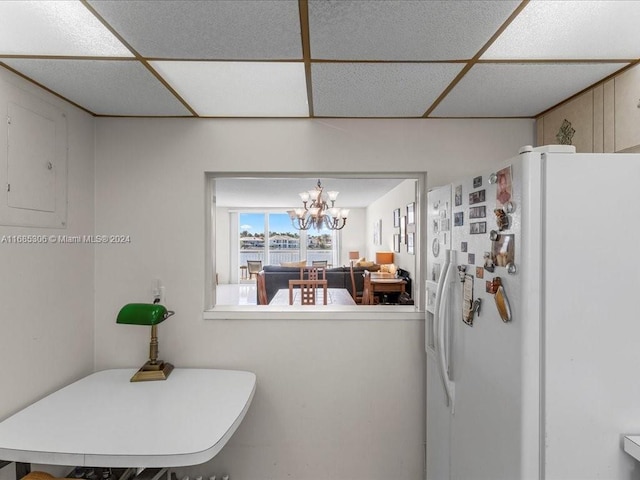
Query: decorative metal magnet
{"points": [[509, 207], [462, 271], [502, 303], [467, 300]]}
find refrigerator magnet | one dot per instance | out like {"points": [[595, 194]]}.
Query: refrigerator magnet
{"points": [[488, 262], [503, 191], [479, 272], [477, 228], [478, 212], [502, 219], [503, 250], [477, 197]]}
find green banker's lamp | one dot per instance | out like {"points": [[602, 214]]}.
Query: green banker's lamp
{"points": [[148, 314]]}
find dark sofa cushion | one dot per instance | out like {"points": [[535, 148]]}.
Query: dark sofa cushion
{"points": [[277, 277]]}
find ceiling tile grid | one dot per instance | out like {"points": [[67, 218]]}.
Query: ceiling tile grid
{"points": [[324, 58]]}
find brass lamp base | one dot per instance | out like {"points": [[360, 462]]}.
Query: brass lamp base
{"points": [[153, 371]]}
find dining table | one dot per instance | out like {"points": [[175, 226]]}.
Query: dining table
{"points": [[387, 282], [335, 296]]}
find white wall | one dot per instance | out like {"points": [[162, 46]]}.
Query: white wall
{"points": [[335, 399], [46, 290], [382, 210]]}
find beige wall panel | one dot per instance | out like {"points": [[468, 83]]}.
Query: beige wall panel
{"points": [[539, 131], [627, 113], [579, 112], [608, 111], [598, 119]]}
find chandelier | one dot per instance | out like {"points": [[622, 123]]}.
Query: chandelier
{"points": [[319, 214]]}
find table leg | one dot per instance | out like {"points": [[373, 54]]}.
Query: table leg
{"points": [[22, 469]]}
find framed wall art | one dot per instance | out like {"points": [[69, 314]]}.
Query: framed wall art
{"points": [[411, 213], [396, 242], [410, 242]]}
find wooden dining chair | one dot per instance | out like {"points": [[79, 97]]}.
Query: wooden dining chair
{"points": [[307, 294], [367, 292], [313, 273], [355, 294], [253, 267], [262, 288], [308, 291]]}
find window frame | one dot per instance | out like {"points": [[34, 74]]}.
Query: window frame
{"points": [[357, 312]]}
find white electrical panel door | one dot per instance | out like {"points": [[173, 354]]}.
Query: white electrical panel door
{"points": [[31, 160]]}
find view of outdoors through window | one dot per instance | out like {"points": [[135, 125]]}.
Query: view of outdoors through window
{"points": [[283, 243]]}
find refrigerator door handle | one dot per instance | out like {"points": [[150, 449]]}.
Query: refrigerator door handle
{"points": [[442, 337]]}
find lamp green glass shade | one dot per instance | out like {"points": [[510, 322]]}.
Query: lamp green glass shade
{"points": [[143, 314]]}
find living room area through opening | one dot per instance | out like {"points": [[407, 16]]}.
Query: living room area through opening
{"points": [[271, 235]]}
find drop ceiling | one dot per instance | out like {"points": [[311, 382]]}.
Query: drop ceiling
{"points": [[318, 58]]}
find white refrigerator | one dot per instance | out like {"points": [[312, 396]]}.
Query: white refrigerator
{"points": [[533, 328]]}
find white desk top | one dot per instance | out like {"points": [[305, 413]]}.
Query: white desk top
{"points": [[104, 420], [632, 446], [336, 296]]}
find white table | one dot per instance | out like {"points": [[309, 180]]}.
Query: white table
{"points": [[336, 296], [104, 420], [632, 446]]}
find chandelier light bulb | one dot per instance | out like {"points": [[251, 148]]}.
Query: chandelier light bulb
{"points": [[333, 195], [304, 196]]}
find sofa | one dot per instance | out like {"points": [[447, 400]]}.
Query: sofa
{"points": [[277, 277]]}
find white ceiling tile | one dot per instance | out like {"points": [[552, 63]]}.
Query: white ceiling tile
{"points": [[403, 30], [55, 28], [509, 90], [566, 29], [221, 29], [378, 89], [240, 89], [105, 87]]}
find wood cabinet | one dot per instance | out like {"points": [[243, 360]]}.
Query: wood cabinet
{"points": [[606, 118], [574, 120], [627, 109]]}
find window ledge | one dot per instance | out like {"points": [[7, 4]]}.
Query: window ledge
{"points": [[309, 312]]}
